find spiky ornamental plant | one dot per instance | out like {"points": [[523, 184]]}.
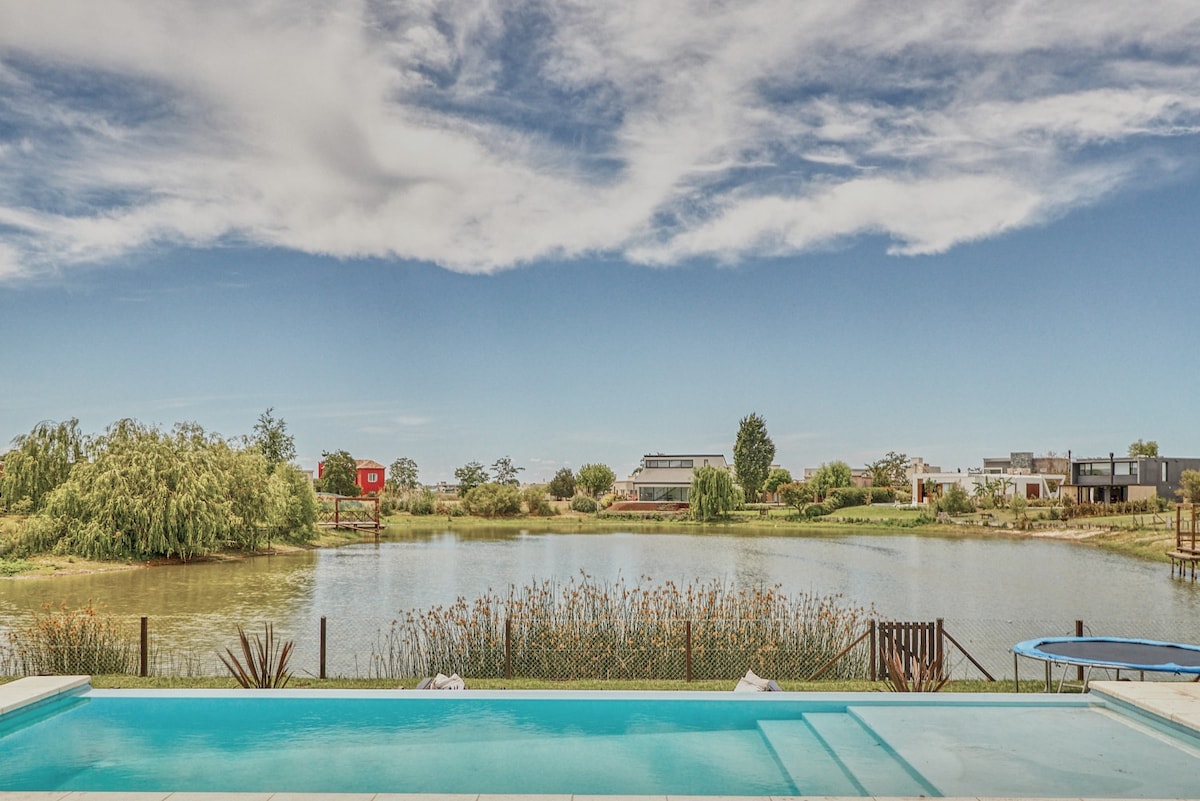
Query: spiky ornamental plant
{"points": [[266, 661]]}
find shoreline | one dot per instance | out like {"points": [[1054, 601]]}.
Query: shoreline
{"points": [[1151, 544]]}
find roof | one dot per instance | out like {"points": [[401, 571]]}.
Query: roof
{"points": [[368, 464]]}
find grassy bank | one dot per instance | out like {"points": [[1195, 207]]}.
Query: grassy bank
{"points": [[1140, 536], [302, 682]]}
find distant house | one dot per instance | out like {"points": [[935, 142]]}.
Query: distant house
{"points": [[369, 478], [1020, 475], [668, 477], [1115, 479]]}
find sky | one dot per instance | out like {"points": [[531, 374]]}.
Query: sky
{"points": [[572, 232]]}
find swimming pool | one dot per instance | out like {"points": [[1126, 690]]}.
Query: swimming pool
{"points": [[768, 744]]}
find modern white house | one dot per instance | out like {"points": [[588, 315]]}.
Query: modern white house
{"points": [[1023, 485], [668, 477]]}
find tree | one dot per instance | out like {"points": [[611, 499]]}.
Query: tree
{"points": [[534, 498], [1140, 448], [493, 499], [470, 476], [339, 474], [889, 470], [291, 506], [596, 479], [402, 476], [752, 455], [711, 496], [830, 476], [40, 461], [146, 493], [776, 479], [797, 494], [505, 472], [1189, 486], [272, 439], [563, 484]]}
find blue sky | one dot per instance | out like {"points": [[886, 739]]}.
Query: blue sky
{"points": [[572, 233]]}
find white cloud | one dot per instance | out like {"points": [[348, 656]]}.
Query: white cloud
{"points": [[485, 135]]}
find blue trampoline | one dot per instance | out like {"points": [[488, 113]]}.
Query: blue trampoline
{"points": [[1109, 653]]}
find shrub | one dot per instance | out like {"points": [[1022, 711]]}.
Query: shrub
{"points": [[817, 510], [422, 502], [584, 504], [493, 500], [882, 495], [608, 500], [848, 496], [956, 501]]}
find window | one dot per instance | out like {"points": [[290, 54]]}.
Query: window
{"points": [[1164, 473], [663, 494], [372, 478], [668, 463]]}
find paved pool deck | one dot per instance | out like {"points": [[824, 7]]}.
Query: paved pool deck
{"points": [[1174, 701]]}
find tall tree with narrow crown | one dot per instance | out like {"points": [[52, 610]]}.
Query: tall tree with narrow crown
{"points": [[752, 455]]}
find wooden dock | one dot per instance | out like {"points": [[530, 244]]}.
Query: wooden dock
{"points": [[351, 514], [1187, 547]]}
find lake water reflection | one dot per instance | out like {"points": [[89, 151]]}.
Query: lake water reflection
{"points": [[991, 591]]}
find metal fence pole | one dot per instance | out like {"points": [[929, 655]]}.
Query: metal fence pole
{"points": [[1079, 633], [144, 651], [322, 647], [507, 649]]}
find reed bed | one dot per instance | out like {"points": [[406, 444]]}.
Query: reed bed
{"points": [[585, 628], [62, 641]]}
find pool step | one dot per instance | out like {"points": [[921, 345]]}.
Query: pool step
{"points": [[806, 760], [873, 765], [833, 754]]}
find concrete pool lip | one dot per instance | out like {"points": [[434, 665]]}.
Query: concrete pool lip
{"points": [[1176, 702], [31, 689]]}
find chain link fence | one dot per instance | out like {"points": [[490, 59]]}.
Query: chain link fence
{"points": [[530, 647]]}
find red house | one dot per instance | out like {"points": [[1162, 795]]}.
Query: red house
{"points": [[370, 475]]}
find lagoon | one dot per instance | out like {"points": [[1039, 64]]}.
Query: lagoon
{"points": [[992, 591]]}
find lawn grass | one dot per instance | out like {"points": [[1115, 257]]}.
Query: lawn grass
{"points": [[310, 683]]}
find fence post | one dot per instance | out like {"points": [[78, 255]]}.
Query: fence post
{"points": [[874, 649], [144, 651], [507, 648], [939, 652], [687, 651], [322, 647], [1079, 633]]}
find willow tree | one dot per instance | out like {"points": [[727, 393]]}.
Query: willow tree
{"points": [[291, 506], [711, 495], [39, 462], [147, 493]]}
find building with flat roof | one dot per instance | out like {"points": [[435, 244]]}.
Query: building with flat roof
{"points": [[668, 477], [1116, 479]]}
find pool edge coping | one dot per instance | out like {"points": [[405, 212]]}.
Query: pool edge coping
{"points": [[29, 690]]}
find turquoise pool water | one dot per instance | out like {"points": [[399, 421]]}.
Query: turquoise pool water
{"points": [[594, 743]]}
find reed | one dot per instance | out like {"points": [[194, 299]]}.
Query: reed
{"points": [[62, 641], [585, 628]]}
